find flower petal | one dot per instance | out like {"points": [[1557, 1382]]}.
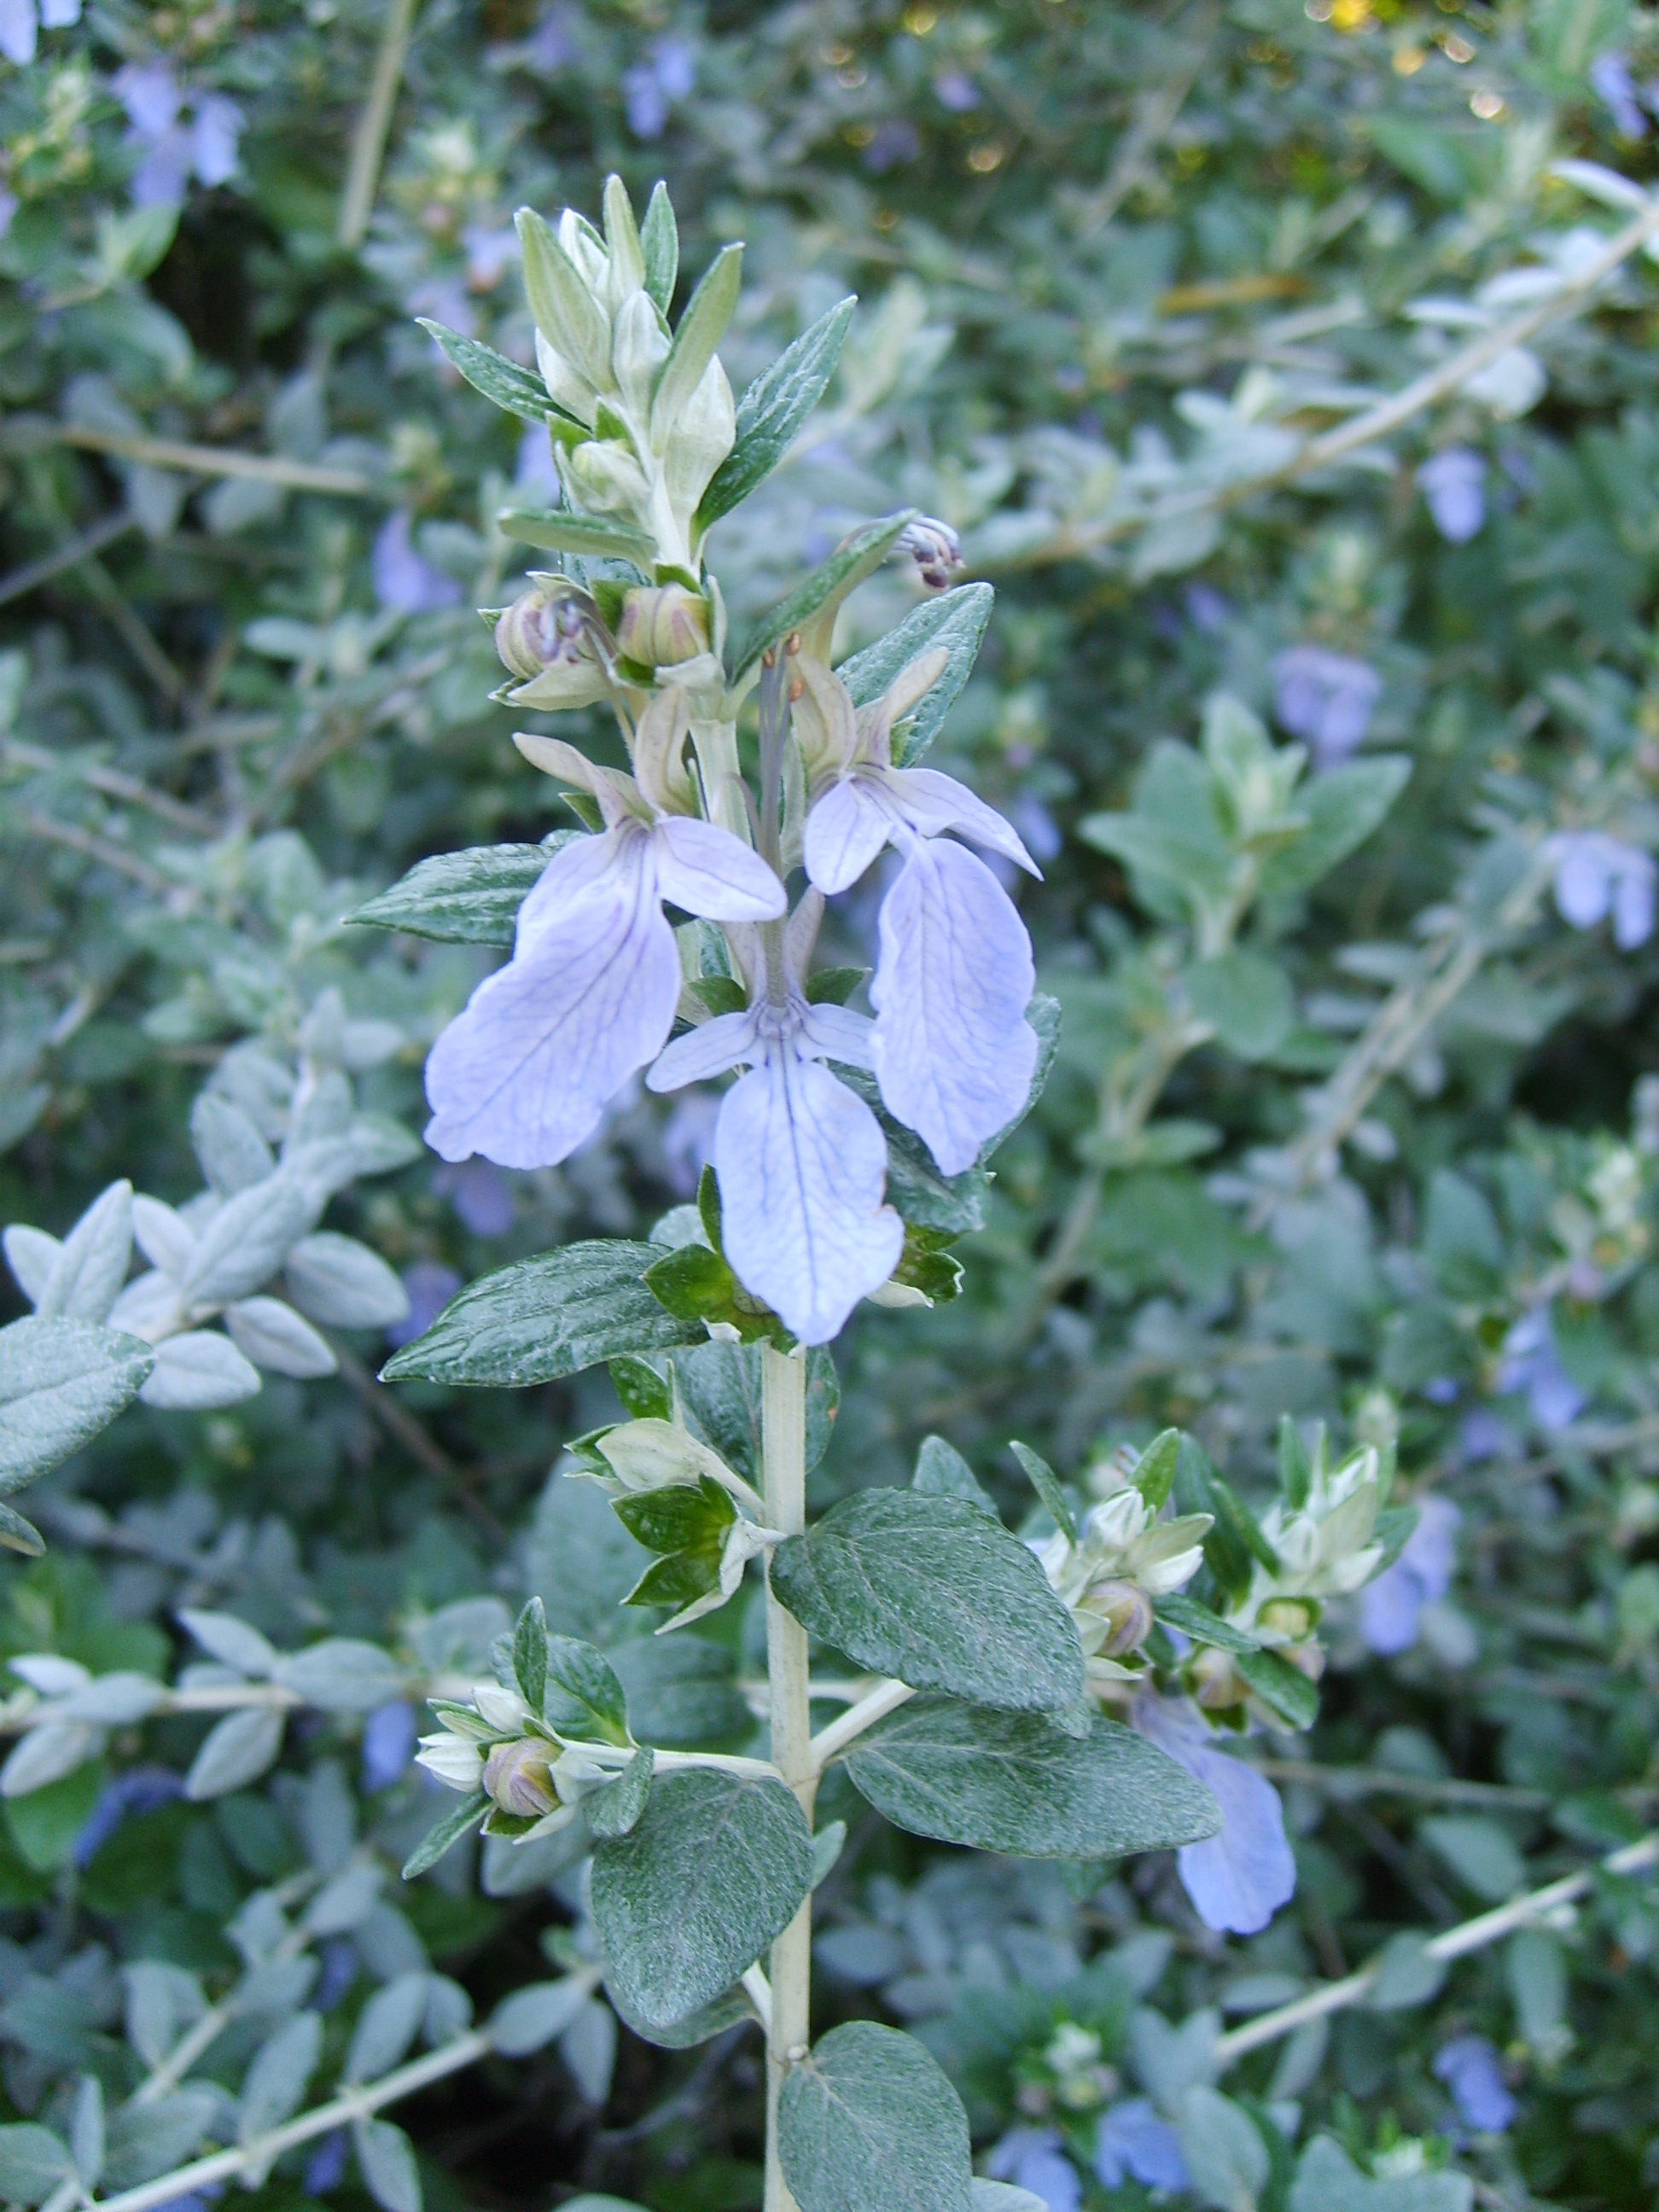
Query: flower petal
{"points": [[523, 1073], [953, 1054], [573, 871], [931, 802], [845, 831], [802, 1165], [707, 871], [704, 1052], [830, 1032], [1237, 1879]]}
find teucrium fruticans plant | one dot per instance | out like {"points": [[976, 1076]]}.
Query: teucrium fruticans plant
{"points": [[972, 1715]]}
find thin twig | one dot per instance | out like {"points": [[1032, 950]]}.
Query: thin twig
{"points": [[92, 540], [1373, 1782], [1377, 422], [368, 146], [112, 783], [830, 1743], [94, 847], [219, 461], [1454, 1943]]}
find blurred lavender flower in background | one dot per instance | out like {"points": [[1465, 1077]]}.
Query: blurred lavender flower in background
{"points": [[1031, 2158], [650, 88], [1453, 484], [19, 23], [1389, 1608], [405, 582], [1468, 2065], [955, 89], [1597, 875], [140, 1789], [1326, 699], [430, 1286], [1530, 1362], [1610, 79], [1132, 2144], [895, 141], [388, 1744], [177, 134], [480, 1194], [325, 2168]]}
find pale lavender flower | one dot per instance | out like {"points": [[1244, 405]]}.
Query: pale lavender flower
{"points": [[1482, 1436], [480, 1194], [178, 135], [650, 88], [1468, 2065], [19, 23], [1610, 79], [1031, 2158], [489, 254], [9, 202], [953, 1052], [1132, 2143], [1453, 484], [1597, 875], [893, 141], [430, 1286], [1531, 1363], [534, 473], [801, 1160], [388, 1744], [139, 1790], [955, 89], [325, 2167], [1237, 1879], [1327, 699], [405, 582], [524, 1074], [1390, 1606]]}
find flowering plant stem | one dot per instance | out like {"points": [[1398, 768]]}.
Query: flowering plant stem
{"points": [[783, 1436]]}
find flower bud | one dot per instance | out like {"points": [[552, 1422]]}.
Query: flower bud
{"points": [[1307, 1659], [935, 547], [662, 628], [1287, 1617], [1127, 1612], [1215, 1685], [518, 1777], [542, 629]]}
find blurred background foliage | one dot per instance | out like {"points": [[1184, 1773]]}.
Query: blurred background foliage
{"points": [[1373, 1142]]}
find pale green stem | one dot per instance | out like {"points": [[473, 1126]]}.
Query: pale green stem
{"points": [[369, 147], [716, 748], [783, 1436]]}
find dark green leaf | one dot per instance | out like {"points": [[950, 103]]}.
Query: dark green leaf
{"points": [[448, 1830], [682, 1516], [833, 986], [1046, 1483], [1155, 1471], [870, 2119], [581, 1695], [1247, 1000], [933, 1591], [1295, 1467], [956, 621], [644, 1394], [680, 1579], [545, 1317], [1015, 1781], [828, 585], [560, 530], [519, 390], [471, 897], [616, 1810], [659, 244], [942, 1471], [1201, 1624], [720, 1391], [700, 2026], [1343, 807], [772, 411], [1286, 1689], [530, 1654], [696, 1286], [715, 1870]]}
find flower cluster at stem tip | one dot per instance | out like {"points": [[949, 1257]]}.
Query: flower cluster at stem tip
{"points": [[640, 418]]}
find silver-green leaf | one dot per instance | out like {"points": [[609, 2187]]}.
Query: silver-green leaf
{"points": [[869, 2119]]}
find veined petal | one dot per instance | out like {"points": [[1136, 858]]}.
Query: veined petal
{"points": [[837, 1033], [953, 1054], [704, 1052], [845, 831], [1237, 1879], [931, 802], [523, 1073], [802, 1165], [576, 869], [553, 756], [707, 871]]}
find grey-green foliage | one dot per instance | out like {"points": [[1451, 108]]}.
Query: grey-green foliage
{"points": [[870, 2116], [1015, 1782], [927, 1589], [691, 1897]]}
